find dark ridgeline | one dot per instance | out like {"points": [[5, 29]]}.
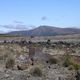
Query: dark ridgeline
{"points": [[46, 31]]}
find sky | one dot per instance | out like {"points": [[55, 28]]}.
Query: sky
{"points": [[27, 14]]}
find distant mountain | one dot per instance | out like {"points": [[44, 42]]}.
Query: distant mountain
{"points": [[46, 31]]}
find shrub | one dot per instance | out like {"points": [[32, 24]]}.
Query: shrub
{"points": [[76, 66], [36, 72], [10, 63], [71, 67], [67, 63], [67, 60], [53, 60], [70, 63]]}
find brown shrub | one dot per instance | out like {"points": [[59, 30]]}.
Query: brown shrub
{"points": [[36, 72], [10, 63]]}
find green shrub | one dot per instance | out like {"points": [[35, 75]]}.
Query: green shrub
{"points": [[67, 63], [67, 60], [70, 63], [76, 66], [71, 67]]}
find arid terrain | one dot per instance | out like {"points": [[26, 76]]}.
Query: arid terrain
{"points": [[40, 58], [39, 39]]}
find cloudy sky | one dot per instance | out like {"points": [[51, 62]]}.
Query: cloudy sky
{"points": [[23, 14]]}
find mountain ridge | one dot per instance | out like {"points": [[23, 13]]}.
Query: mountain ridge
{"points": [[46, 31]]}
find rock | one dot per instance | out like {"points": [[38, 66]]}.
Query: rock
{"points": [[22, 58], [6, 75]]}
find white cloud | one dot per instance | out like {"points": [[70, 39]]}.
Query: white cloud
{"points": [[15, 26]]}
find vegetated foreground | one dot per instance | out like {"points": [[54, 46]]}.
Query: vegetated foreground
{"points": [[27, 60]]}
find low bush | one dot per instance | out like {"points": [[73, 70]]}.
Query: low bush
{"points": [[76, 66], [36, 72], [67, 60], [53, 60], [10, 62], [71, 67], [70, 63]]}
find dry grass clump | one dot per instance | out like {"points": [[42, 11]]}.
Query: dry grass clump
{"points": [[36, 72], [53, 60], [10, 62]]}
